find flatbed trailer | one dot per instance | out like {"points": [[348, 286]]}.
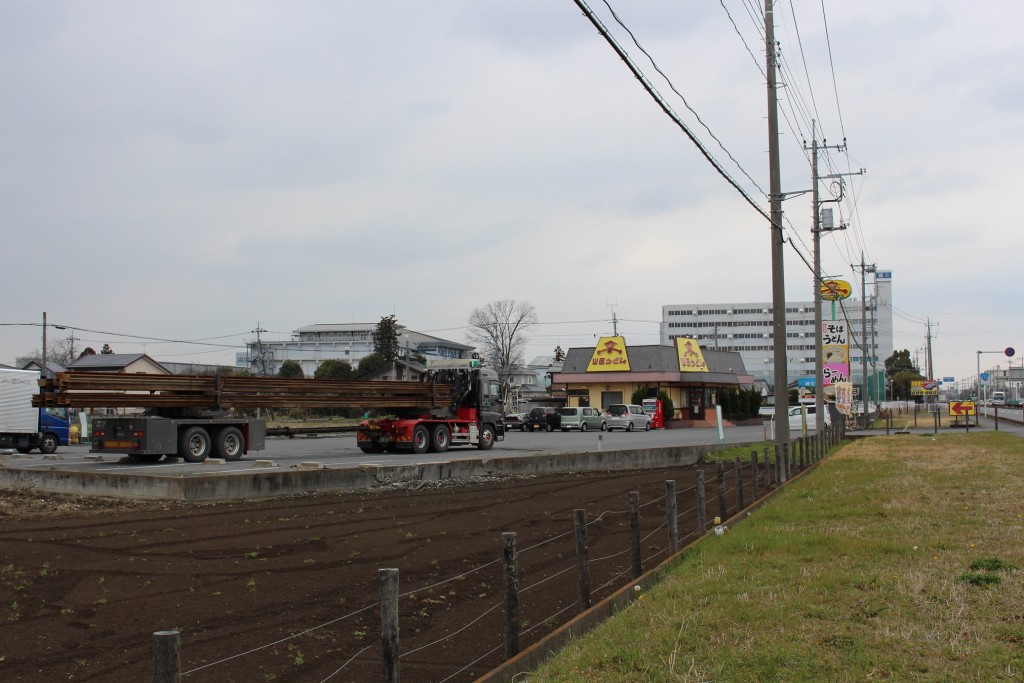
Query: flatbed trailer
{"points": [[188, 416]]}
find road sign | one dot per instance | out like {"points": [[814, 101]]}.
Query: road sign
{"points": [[1010, 352], [961, 407], [984, 377]]}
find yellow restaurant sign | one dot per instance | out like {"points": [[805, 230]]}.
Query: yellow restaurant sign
{"points": [[835, 290], [690, 357], [609, 356]]}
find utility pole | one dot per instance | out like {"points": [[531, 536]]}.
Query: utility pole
{"points": [[874, 355], [45, 364], [778, 280], [864, 269], [931, 369], [259, 350], [819, 364]]}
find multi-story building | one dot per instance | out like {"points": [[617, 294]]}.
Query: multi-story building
{"points": [[747, 328], [313, 344]]}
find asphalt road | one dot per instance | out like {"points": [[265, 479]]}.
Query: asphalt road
{"points": [[338, 451]]}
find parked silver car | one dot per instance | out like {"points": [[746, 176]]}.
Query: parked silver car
{"points": [[627, 416], [582, 418]]}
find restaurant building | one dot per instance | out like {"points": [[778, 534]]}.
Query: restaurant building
{"points": [[692, 376]]}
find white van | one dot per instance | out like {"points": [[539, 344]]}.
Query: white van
{"points": [[999, 398], [627, 416], [798, 414]]}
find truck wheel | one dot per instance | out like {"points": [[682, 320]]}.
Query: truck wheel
{"points": [[24, 450], [370, 447], [486, 438], [440, 438], [194, 444], [420, 439], [230, 444], [49, 443]]}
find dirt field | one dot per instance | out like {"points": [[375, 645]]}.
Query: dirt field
{"points": [[287, 590]]}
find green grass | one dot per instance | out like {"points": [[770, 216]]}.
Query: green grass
{"points": [[896, 559]]}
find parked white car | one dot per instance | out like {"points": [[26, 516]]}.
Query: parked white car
{"points": [[627, 416], [797, 415]]}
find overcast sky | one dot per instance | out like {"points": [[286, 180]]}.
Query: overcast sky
{"points": [[191, 170]]}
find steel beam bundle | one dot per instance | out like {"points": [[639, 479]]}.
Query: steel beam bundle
{"points": [[102, 390]]}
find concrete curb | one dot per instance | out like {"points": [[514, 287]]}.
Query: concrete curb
{"points": [[244, 485]]}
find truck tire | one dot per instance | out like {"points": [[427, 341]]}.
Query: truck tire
{"points": [[440, 438], [486, 438], [48, 444], [420, 439], [229, 444], [370, 447], [24, 450], [194, 444]]}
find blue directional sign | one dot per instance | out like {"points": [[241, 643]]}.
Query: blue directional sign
{"points": [[984, 377]]}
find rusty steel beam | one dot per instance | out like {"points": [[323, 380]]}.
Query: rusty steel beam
{"points": [[98, 390]]}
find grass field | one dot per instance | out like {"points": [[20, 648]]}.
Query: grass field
{"points": [[899, 558]]}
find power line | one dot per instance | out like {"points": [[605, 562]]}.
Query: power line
{"points": [[685, 103], [653, 92]]}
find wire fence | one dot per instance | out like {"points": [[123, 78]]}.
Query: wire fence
{"points": [[560, 570]]}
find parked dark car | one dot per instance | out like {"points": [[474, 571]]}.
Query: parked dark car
{"points": [[543, 420], [515, 421]]}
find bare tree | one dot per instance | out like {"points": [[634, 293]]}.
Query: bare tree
{"points": [[499, 330]]}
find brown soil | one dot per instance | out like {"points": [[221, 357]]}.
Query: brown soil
{"points": [[84, 583]]}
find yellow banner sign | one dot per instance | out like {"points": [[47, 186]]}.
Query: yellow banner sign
{"points": [[835, 290], [609, 356], [690, 357]]}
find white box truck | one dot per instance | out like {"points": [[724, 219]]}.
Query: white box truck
{"points": [[22, 426]]}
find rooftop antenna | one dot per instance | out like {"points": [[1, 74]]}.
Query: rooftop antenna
{"points": [[615, 319]]}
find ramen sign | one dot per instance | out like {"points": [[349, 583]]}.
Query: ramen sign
{"points": [[835, 290]]}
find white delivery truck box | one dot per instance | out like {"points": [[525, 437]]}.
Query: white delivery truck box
{"points": [[17, 416]]}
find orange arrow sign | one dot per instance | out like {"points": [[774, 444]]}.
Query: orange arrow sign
{"points": [[961, 407]]}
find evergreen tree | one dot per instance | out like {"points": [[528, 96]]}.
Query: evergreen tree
{"points": [[334, 369], [385, 339], [291, 370]]}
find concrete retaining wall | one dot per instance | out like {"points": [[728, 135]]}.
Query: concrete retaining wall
{"points": [[238, 484]]}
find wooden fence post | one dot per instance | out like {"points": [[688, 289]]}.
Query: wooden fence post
{"points": [[634, 533], [671, 516], [167, 657], [389, 624], [753, 472], [510, 554], [720, 476], [767, 471], [702, 514], [739, 483], [582, 560]]}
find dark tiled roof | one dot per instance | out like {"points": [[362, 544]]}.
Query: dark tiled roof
{"points": [[108, 362], [658, 359]]}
